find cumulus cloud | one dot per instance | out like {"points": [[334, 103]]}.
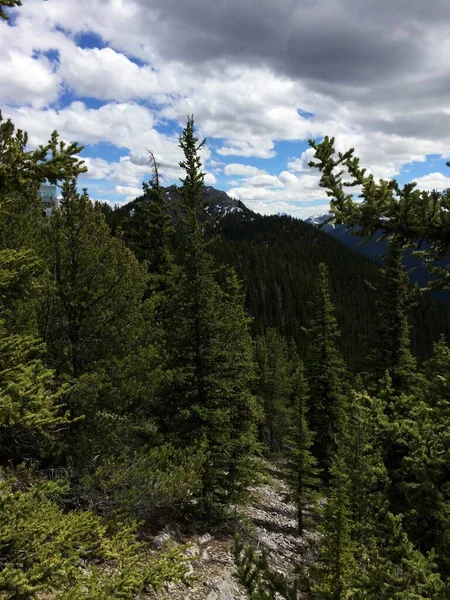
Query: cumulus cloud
{"points": [[210, 179], [254, 73], [285, 193], [433, 181], [241, 170]]}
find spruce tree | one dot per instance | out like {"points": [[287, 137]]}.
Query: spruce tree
{"points": [[327, 374], [302, 468], [98, 287], [392, 335], [334, 573], [424, 473], [94, 327], [273, 387], [149, 232], [209, 353]]}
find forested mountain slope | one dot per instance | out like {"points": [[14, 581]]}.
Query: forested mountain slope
{"points": [[277, 258]]}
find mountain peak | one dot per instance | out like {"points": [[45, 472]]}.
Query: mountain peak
{"points": [[321, 218], [219, 202]]}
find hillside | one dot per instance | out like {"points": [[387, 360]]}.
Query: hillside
{"points": [[277, 259], [374, 250]]}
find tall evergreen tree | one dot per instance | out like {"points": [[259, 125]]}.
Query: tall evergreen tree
{"points": [[365, 551], [149, 231], [327, 374], [273, 386], [334, 573], [209, 352], [424, 471], [392, 341], [93, 324], [302, 468]]}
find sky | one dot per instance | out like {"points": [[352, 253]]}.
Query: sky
{"points": [[261, 77]]}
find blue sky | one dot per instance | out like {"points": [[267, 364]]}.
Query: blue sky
{"points": [[260, 78]]}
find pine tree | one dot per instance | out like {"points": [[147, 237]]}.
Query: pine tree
{"points": [[392, 341], [94, 326], [149, 232], [327, 374], [98, 287], [31, 403], [334, 573], [209, 353], [424, 473], [21, 173], [302, 468], [410, 215], [9, 4], [273, 387]]}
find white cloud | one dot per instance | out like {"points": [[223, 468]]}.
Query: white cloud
{"points": [[106, 74], [131, 192], [240, 170], [246, 95], [98, 168], [263, 181], [300, 164], [433, 181], [296, 195], [27, 80], [210, 179]]}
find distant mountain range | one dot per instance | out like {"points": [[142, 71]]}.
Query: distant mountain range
{"points": [[374, 250]]}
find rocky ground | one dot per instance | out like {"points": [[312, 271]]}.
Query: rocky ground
{"points": [[272, 526]]}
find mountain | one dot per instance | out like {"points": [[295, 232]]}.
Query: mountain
{"points": [[218, 203], [277, 259], [374, 250]]}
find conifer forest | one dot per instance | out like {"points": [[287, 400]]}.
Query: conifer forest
{"points": [[158, 364]]}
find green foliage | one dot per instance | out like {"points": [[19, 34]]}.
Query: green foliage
{"points": [[365, 550], [148, 484], [302, 471], [411, 215], [210, 359], [148, 234], [21, 173], [333, 574], [70, 554], [98, 287], [30, 402], [30, 399], [273, 387], [423, 470], [8, 4], [391, 350], [327, 374], [261, 581]]}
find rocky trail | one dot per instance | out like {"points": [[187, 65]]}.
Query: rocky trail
{"points": [[271, 523]]}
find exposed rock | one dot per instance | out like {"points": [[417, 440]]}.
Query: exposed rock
{"points": [[273, 522], [161, 540], [204, 539]]}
